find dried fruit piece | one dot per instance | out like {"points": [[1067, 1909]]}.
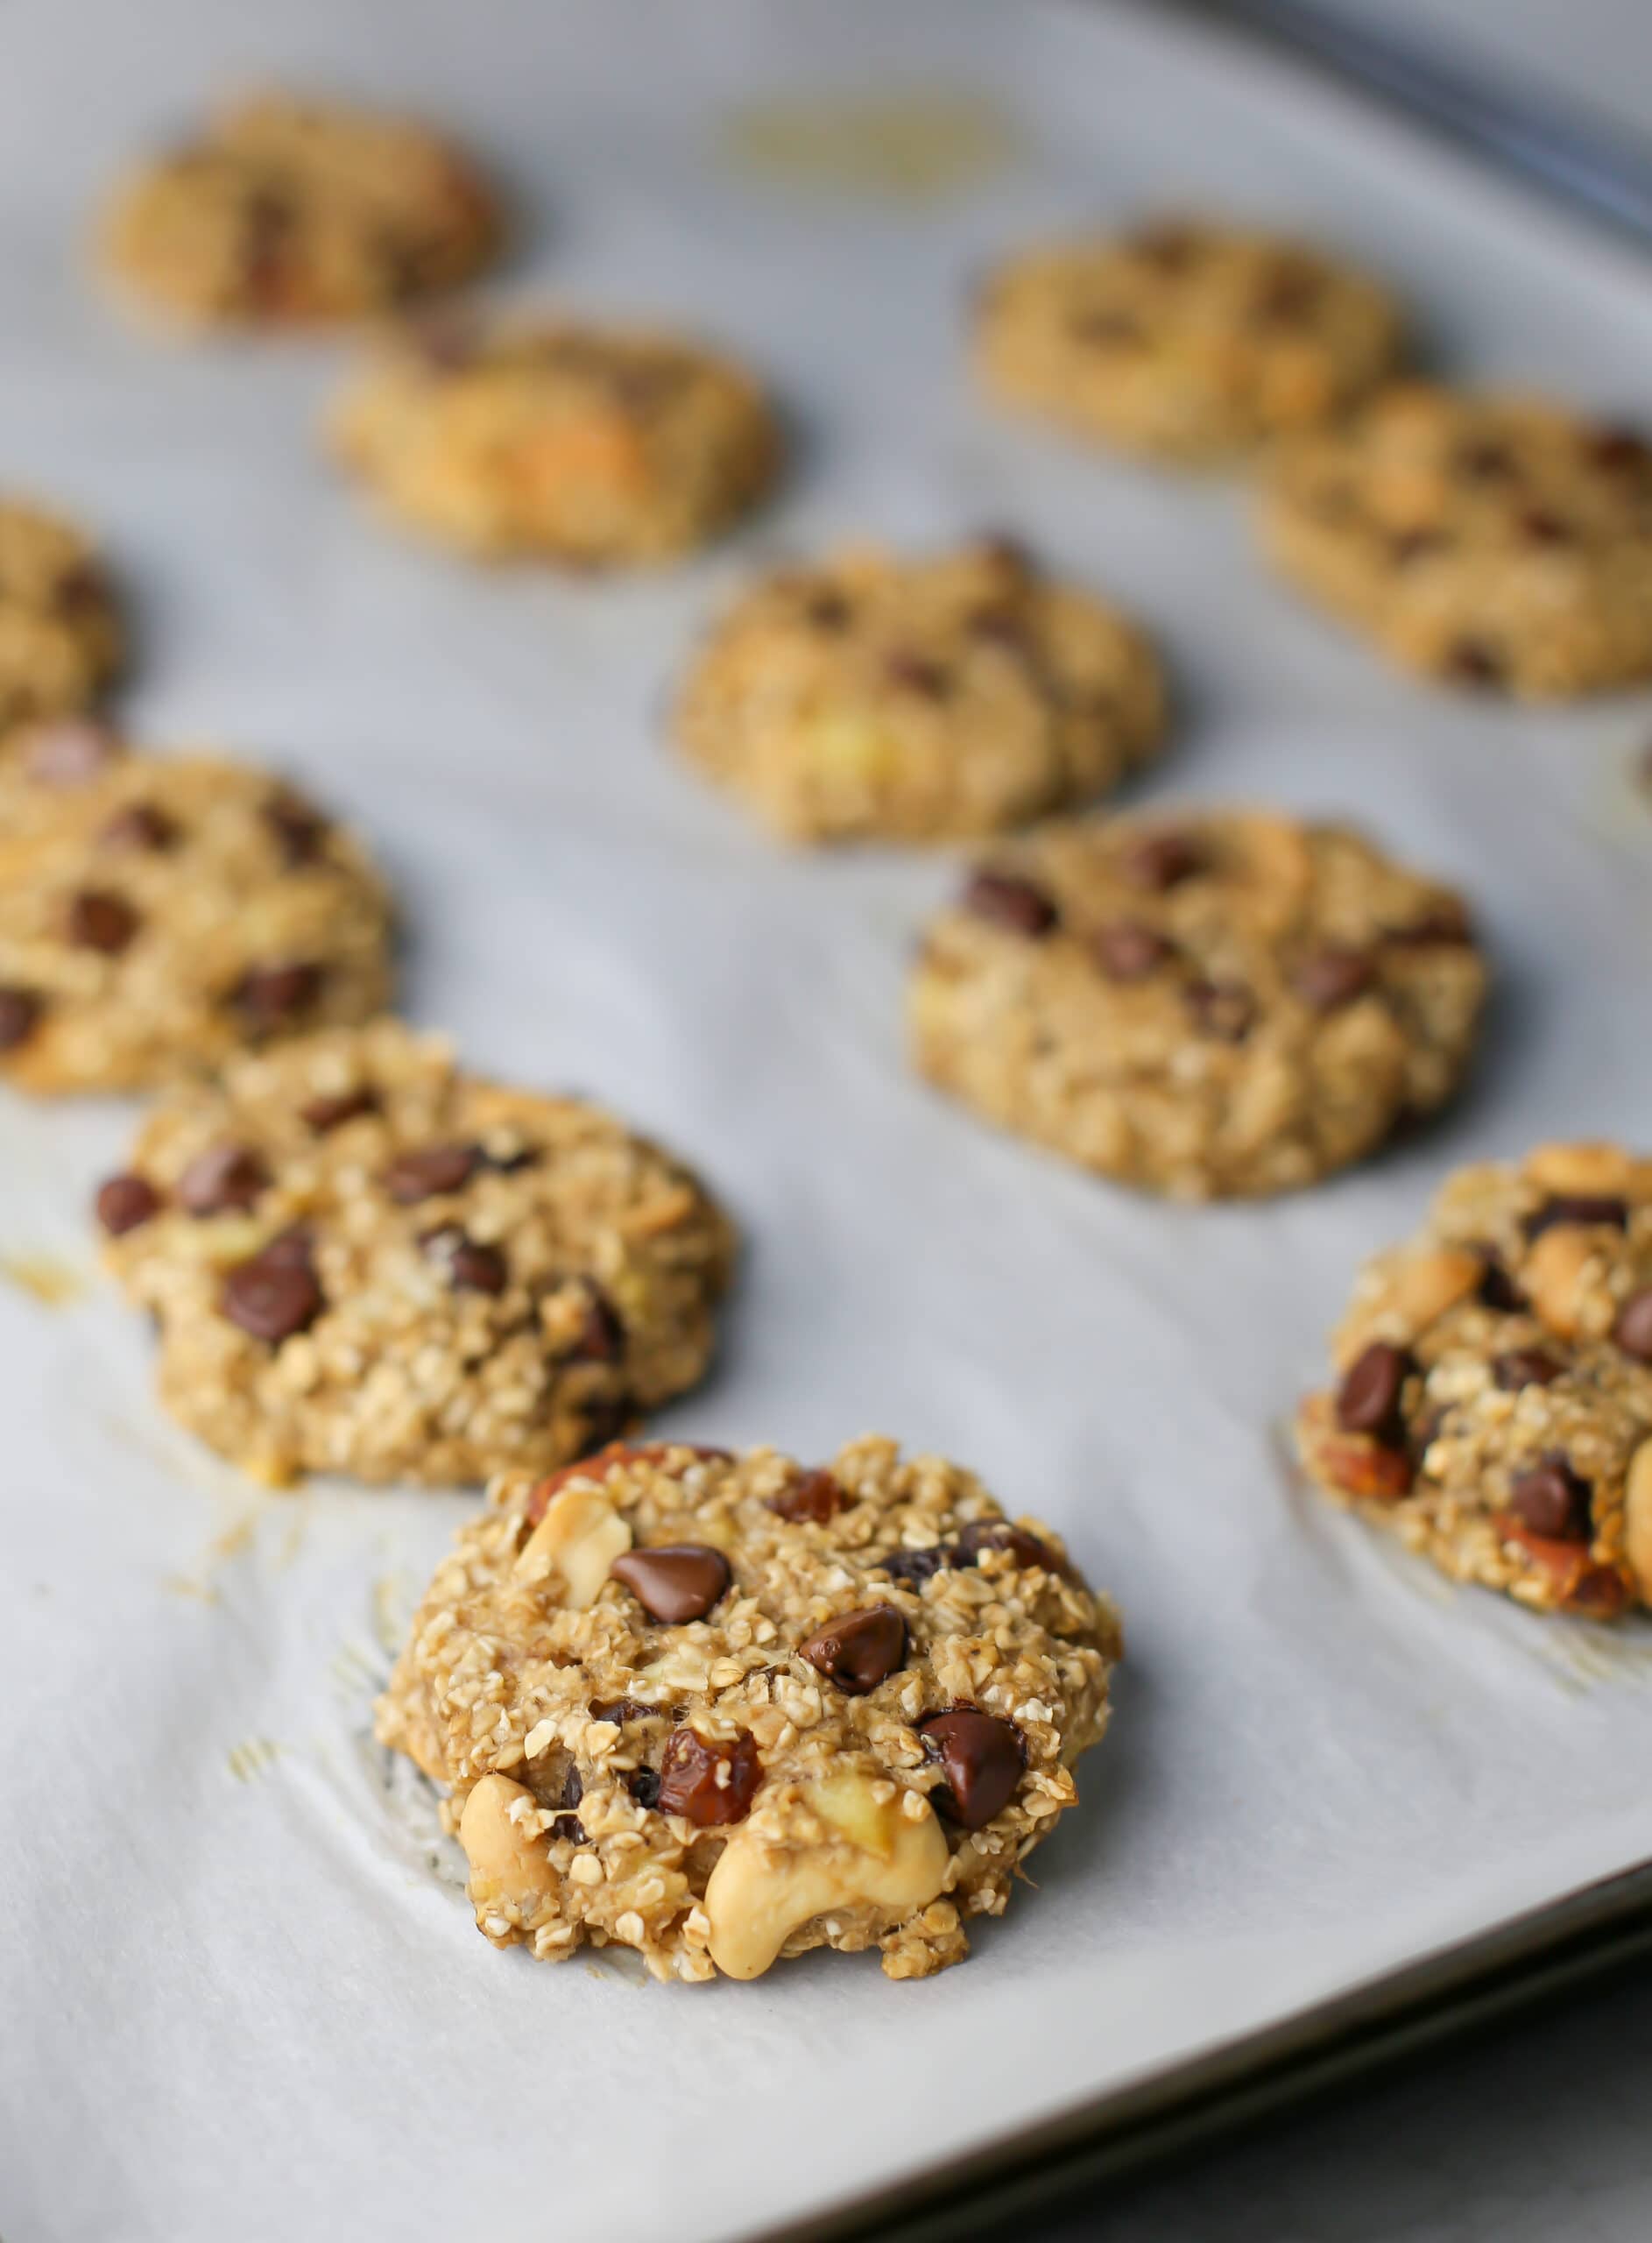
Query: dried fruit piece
{"points": [[816, 1498], [709, 1781]]}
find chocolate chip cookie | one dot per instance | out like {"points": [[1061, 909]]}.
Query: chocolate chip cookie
{"points": [[60, 639], [919, 700], [1213, 1004], [724, 1709], [1492, 1401], [288, 210], [158, 914], [1184, 340], [558, 441], [361, 1260], [1495, 542]]}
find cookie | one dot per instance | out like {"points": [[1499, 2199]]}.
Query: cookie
{"points": [[1213, 1004], [289, 211], [1493, 1398], [919, 700], [722, 1710], [558, 441], [60, 639], [363, 1261], [1495, 542], [1189, 342], [158, 914]]}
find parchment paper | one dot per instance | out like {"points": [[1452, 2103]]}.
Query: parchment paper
{"points": [[243, 1993]]}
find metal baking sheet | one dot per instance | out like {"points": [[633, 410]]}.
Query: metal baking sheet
{"points": [[243, 1988]]}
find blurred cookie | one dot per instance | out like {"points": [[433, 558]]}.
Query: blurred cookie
{"points": [[289, 211], [919, 700], [158, 913], [1212, 1004], [361, 1260], [1497, 542], [558, 441], [1187, 341], [1493, 1404], [60, 639], [723, 1710]]}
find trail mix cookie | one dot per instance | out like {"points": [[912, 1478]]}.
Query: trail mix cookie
{"points": [[158, 914], [1495, 542], [1214, 1004], [1183, 340], [919, 700], [361, 1260], [1493, 1404], [289, 211], [561, 441], [723, 1710], [60, 639]]}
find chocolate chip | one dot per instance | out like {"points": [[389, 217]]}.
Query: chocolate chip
{"points": [[1000, 1535], [1331, 977], [1159, 861], [1406, 546], [1293, 287], [1589, 1210], [1368, 1399], [917, 675], [675, 1584], [1539, 527], [913, 1568], [1497, 1289], [1485, 461], [271, 996], [1552, 1501], [433, 1169], [291, 1248], [69, 754], [643, 1784], [80, 590], [827, 611], [621, 1710], [267, 220], [1525, 1367], [471, 1266], [709, 1783], [1009, 900], [124, 1202], [20, 1011], [1168, 245], [572, 1788], [324, 1114], [299, 828], [1471, 661], [223, 1176], [140, 825], [271, 1298], [860, 1650], [982, 1758], [602, 1335], [1619, 451], [1633, 1330], [816, 1497], [1223, 1009], [1128, 951], [568, 1827], [101, 921]]}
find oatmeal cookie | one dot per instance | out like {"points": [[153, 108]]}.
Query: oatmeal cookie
{"points": [[594, 447], [1186, 341], [158, 914], [920, 701], [60, 640], [723, 1710], [1216, 1004], [1496, 542], [288, 210], [363, 1261], [1493, 1404]]}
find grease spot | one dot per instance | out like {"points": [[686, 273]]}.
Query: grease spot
{"points": [[911, 147], [44, 1277]]}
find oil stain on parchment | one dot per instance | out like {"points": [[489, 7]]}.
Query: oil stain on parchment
{"points": [[45, 1277], [916, 147]]}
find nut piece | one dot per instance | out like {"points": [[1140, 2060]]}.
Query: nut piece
{"points": [[1637, 1518], [883, 1858], [1583, 1168], [507, 1856], [1418, 1289], [1554, 1276], [577, 1540]]}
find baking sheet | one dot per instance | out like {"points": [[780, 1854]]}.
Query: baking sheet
{"points": [[243, 1990]]}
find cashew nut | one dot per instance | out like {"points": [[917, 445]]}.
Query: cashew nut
{"points": [[1586, 1169], [1416, 1289], [1637, 1518], [577, 1540], [1554, 1276], [506, 1854], [884, 1859]]}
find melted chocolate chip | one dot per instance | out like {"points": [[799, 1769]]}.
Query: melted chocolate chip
{"points": [[1406, 546], [1620, 451], [101, 921], [709, 1783], [271, 997], [324, 1114], [816, 1497], [1552, 1501], [1008, 901], [1497, 1289], [1128, 951], [471, 1266], [1168, 245], [675, 1584], [1471, 661], [1292, 288], [299, 828], [271, 1298], [602, 1335], [1538, 526], [982, 1758], [223, 1176], [70, 754], [827, 611], [1633, 1330], [124, 1202], [141, 826], [860, 1650], [1589, 1210], [1484, 460], [1160, 861], [1368, 1399], [431, 1169], [1331, 977], [1223, 1009], [20, 1011], [913, 1568], [916, 673], [1525, 1367]]}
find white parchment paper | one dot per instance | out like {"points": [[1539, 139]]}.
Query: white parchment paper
{"points": [[242, 1995]]}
